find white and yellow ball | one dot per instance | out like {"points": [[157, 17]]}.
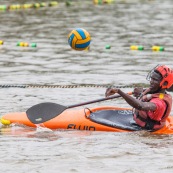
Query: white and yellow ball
{"points": [[79, 39]]}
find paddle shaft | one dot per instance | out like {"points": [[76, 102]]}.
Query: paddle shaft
{"points": [[95, 101]]}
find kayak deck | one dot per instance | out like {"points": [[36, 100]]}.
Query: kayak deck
{"points": [[122, 119]]}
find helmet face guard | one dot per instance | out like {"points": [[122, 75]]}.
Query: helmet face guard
{"points": [[166, 73]]}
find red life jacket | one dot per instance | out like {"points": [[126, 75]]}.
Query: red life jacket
{"points": [[142, 118]]}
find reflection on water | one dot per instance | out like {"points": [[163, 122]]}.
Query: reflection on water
{"points": [[120, 25]]}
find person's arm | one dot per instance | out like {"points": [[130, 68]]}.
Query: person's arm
{"points": [[135, 103]]}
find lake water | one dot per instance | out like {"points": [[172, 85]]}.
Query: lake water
{"points": [[52, 62]]}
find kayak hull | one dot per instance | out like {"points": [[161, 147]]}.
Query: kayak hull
{"points": [[78, 119]]}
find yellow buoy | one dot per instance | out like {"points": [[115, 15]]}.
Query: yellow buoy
{"points": [[5, 122], [157, 48], [25, 44], [1, 42], [53, 3], [134, 47]]}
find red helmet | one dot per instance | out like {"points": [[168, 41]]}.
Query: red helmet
{"points": [[167, 76]]}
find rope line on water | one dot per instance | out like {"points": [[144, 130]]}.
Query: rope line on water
{"points": [[72, 86]]}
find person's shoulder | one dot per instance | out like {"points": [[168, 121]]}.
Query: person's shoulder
{"points": [[168, 95], [157, 100]]}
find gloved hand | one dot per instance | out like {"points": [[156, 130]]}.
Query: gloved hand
{"points": [[111, 91], [137, 92]]}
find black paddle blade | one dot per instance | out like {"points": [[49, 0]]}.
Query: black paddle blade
{"points": [[43, 112]]}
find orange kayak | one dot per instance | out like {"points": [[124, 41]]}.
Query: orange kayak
{"points": [[105, 118]]}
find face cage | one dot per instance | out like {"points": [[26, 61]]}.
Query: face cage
{"points": [[148, 78]]}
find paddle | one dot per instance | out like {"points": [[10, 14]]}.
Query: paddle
{"points": [[43, 112]]}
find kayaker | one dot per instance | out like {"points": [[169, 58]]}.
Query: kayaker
{"points": [[152, 105]]}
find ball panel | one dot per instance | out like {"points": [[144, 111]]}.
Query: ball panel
{"points": [[74, 42], [86, 33], [83, 46], [82, 33], [83, 41], [80, 49], [70, 39]]}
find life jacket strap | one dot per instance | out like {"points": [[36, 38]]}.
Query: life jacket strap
{"points": [[149, 123]]}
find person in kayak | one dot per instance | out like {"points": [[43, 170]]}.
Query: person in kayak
{"points": [[152, 105]]}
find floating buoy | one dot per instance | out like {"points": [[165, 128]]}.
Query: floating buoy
{"points": [[133, 47], [53, 3], [22, 44], [36, 5], [103, 1], [158, 48], [3, 7], [14, 7], [33, 44], [1, 42], [68, 3], [107, 46], [25, 6], [43, 4], [25, 44]]}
